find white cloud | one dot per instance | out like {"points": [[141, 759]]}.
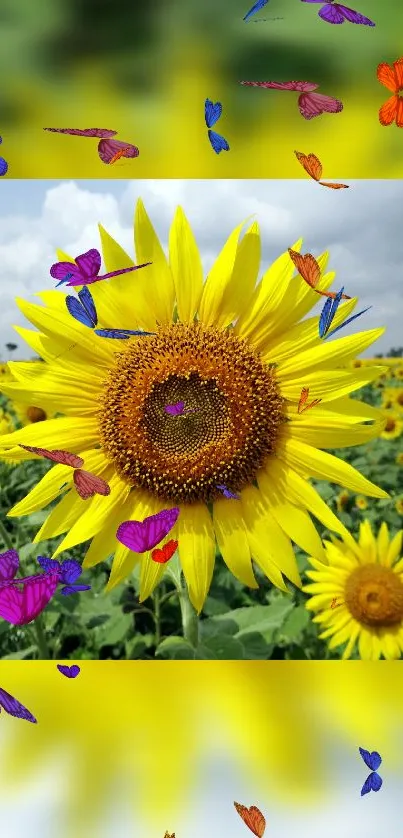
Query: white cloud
{"points": [[359, 227]]}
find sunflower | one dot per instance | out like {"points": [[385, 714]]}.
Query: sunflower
{"points": [[238, 356], [27, 414], [6, 422], [342, 500], [361, 502], [399, 459], [399, 506], [366, 580], [393, 426]]}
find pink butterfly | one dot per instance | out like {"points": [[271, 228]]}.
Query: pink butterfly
{"points": [[108, 150], [141, 536], [310, 104], [86, 483], [21, 607], [178, 409], [85, 269]]}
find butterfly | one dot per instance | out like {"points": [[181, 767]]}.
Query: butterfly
{"points": [[165, 553], [313, 167], [3, 163], [333, 12], [21, 607], [86, 483], [85, 312], [178, 409], [167, 835], [302, 404], [391, 76], [141, 536], [69, 671], [334, 603], [310, 104], [68, 572], [107, 148], [328, 312], [372, 761], [212, 113], [226, 492], [310, 272], [85, 269], [14, 708], [256, 8], [253, 818]]}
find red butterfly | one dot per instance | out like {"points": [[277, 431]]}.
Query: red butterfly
{"points": [[87, 484], [165, 553], [303, 399], [253, 818]]}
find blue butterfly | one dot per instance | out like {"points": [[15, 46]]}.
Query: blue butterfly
{"points": [[3, 164], [85, 312], [256, 8], [372, 761], [69, 572], [212, 113], [328, 312]]}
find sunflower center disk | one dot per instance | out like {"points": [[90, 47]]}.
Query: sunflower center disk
{"points": [[229, 424], [374, 596]]}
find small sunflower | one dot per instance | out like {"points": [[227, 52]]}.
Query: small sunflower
{"points": [[399, 506], [394, 425], [361, 502], [399, 459], [359, 594], [342, 500], [239, 356], [6, 422]]}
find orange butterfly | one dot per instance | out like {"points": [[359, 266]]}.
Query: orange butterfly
{"points": [[253, 818], [303, 398], [334, 603], [165, 553], [313, 167], [309, 269], [392, 78], [167, 835]]}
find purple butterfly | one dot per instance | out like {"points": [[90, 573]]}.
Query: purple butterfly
{"points": [[333, 12], [226, 492], [372, 761], [14, 708], [141, 536], [84, 132], [85, 269], [69, 671], [178, 409], [21, 607], [67, 571]]}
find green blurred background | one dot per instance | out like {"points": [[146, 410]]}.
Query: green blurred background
{"points": [[145, 69]]}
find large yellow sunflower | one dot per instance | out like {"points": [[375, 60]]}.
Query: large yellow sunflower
{"points": [[239, 357], [359, 594], [394, 424]]}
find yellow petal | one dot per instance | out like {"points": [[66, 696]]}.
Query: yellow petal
{"points": [[328, 354], [186, 267], [324, 433], [240, 287], [55, 434], [232, 540], [218, 279], [295, 521], [270, 547], [195, 534], [159, 276], [151, 574], [141, 505]]}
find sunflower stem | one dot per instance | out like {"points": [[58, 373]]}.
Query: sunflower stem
{"points": [[42, 643], [190, 620], [157, 617]]}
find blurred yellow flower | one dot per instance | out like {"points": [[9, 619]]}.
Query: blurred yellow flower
{"points": [[342, 500], [399, 459], [361, 502], [366, 578], [399, 506], [6, 422], [394, 425]]}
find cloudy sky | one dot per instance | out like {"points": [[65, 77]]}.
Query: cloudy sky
{"points": [[360, 227]]}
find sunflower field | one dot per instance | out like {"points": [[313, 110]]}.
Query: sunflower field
{"points": [[236, 623]]}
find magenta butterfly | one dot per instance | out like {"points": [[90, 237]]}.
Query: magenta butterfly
{"points": [[14, 708], [85, 269], [333, 12], [86, 483], [310, 104], [178, 409], [69, 671], [109, 150], [141, 536], [21, 607]]}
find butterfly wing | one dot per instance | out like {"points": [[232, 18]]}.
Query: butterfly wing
{"points": [[124, 271], [174, 409], [60, 270], [305, 86], [121, 334], [70, 571], [84, 132], [49, 565], [311, 164], [372, 783], [14, 707], [74, 589], [372, 759], [77, 310], [165, 553], [88, 304], [108, 148], [256, 8], [64, 458], [3, 167], [303, 398], [69, 671], [37, 592], [253, 818], [324, 319], [88, 484], [218, 142], [141, 536], [354, 17], [389, 111], [227, 492], [9, 563], [89, 263], [346, 322], [314, 104], [212, 112], [334, 185], [306, 266], [331, 13]]}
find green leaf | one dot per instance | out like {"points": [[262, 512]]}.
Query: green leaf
{"points": [[259, 618], [295, 623], [20, 655], [255, 647], [212, 627], [116, 629], [224, 647]]}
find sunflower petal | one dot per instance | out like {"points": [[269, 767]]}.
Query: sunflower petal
{"points": [[186, 267], [159, 276], [195, 534], [232, 541]]}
